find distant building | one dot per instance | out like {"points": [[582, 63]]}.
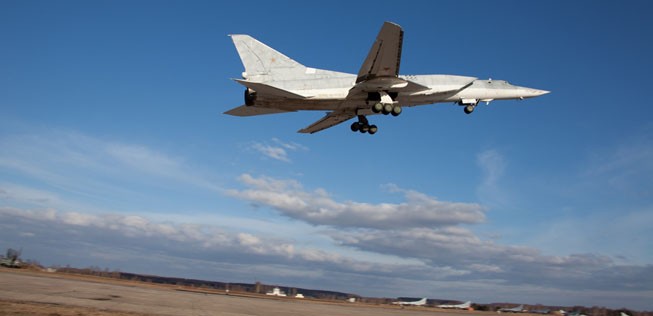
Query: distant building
{"points": [[351, 300], [276, 292], [299, 295]]}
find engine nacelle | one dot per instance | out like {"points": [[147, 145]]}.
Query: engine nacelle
{"points": [[250, 96]]}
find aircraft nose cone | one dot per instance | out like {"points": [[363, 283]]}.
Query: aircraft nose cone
{"points": [[537, 93]]}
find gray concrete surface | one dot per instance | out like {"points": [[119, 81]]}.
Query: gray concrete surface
{"points": [[163, 301]]}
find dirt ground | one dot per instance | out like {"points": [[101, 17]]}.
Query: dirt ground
{"points": [[17, 308], [52, 294]]}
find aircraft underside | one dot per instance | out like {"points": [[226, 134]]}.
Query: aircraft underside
{"points": [[386, 103]]}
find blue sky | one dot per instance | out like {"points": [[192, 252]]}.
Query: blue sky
{"points": [[114, 151]]}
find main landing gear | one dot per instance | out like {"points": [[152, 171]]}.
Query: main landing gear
{"points": [[386, 105], [363, 126], [386, 108]]}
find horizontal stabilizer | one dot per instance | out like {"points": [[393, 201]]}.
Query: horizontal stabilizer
{"points": [[268, 90], [247, 110]]}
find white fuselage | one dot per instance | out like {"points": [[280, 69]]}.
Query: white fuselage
{"points": [[330, 92]]}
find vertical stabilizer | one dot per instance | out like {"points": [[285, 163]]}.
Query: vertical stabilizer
{"points": [[262, 60]]}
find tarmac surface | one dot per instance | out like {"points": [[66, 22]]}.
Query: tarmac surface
{"points": [[111, 296]]}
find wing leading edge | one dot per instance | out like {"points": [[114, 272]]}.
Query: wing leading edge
{"points": [[330, 119]]}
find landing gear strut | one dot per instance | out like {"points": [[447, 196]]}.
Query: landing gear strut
{"points": [[363, 126]]}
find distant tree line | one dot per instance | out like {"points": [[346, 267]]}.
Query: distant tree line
{"points": [[257, 287]]}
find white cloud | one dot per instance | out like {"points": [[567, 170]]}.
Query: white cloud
{"points": [[318, 208], [290, 146], [434, 233], [476, 260], [70, 163], [17, 193], [100, 231], [278, 150], [493, 167], [627, 167], [277, 153]]}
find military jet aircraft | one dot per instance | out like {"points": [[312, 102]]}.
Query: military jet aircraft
{"points": [[516, 309], [276, 83], [465, 305], [414, 303]]}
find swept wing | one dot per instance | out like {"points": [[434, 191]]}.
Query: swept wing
{"points": [[330, 119], [380, 70], [384, 57], [250, 110]]}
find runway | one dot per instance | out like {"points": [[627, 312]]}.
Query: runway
{"points": [[159, 300]]}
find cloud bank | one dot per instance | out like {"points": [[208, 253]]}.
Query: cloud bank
{"points": [[421, 245]]}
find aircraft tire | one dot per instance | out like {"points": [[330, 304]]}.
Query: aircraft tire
{"points": [[355, 127], [377, 107], [364, 128], [396, 110], [469, 109], [373, 129], [387, 109]]}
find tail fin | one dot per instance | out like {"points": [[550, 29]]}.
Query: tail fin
{"points": [[262, 60]]}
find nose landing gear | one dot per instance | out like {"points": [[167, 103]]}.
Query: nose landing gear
{"points": [[469, 105]]}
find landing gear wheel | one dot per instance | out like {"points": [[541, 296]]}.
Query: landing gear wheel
{"points": [[469, 109], [363, 126], [377, 107], [355, 127], [396, 110], [387, 108]]}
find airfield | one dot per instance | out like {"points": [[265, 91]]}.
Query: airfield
{"points": [[40, 293]]}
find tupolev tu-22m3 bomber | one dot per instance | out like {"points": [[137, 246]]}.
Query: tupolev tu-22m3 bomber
{"points": [[276, 84]]}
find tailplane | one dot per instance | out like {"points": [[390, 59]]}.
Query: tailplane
{"points": [[263, 62]]}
